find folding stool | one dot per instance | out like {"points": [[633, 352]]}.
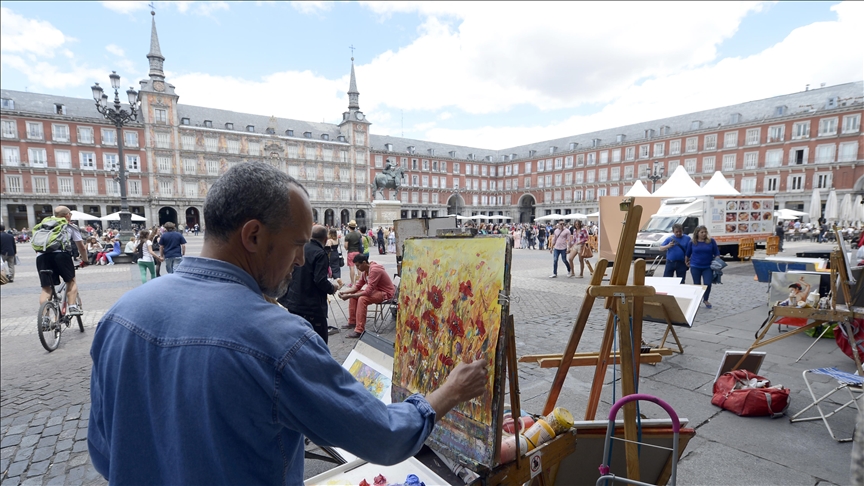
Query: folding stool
{"points": [[845, 381]]}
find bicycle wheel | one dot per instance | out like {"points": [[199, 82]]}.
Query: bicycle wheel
{"points": [[80, 322], [48, 323]]}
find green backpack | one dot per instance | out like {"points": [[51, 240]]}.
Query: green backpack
{"points": [[51, 235]]}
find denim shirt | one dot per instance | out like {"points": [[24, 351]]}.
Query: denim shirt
{"points": [[198, 380]]}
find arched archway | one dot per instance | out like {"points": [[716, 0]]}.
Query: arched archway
{"points": [[360, 217], [193, 217], [859, 185], [328, 217], [345, 217], [455, 204], [526, 208], [315, 215], [167, 214]]}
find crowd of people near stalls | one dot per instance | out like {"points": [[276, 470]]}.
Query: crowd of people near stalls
{"points": [[94, 229], [533, 236], [820, 231]]}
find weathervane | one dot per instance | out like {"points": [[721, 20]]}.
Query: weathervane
{"points": [[352, 51]]}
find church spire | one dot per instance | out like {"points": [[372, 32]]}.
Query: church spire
{"points": [[155, 56], [353, 94]]}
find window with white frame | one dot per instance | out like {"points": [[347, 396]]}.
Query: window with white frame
{"points": [[133, 163], [415, 181], [577, 195], [751, 160], [774, 158], [568, 162], [549, 180], [134, 187], [187, 142], [109, 162], [233, 146], [628, 172], [604, 157], [851, 123], [10, 129], [616, 173], [539, 182], [752, 136], [613, 191], [507, 185], [435, 198], [190, 189], [799, 155], [771, 183], [163, 162], [692, 144], [379, 161], [729, 162], [796, 183], [711, 141], [87, 160], [455, 183], [601, 192], [748, 185], [211, 144], [65, 186], [616, 155], [109, 137], [435, 182], [343, 157], [213, 167], [360, 177], [558, 180], [456, 166], [825, 153], [708, 164], [568, 179], [822, 180], [329, 174], [85, 135], [40, 184], [776, 133], [508, 170], [589, 194], [293, 171], [643, 151], [848, 152], [161, 115], [60, 133], [674, 147], [11, 156], [130, 139], [559, 163], [630, 153], [589, 176], [591, 158], [254, 147], [37, 157], [344, 175], [34, 131], [801, 130], [163, 140], [643, 171], [541, 165], [601, 175], [580, 177], [659, 149], [476, 170], [690, 166], [425, 166], [673, 164], [424, 181], [828, 126], [730, 139], [112, 187], [89, 187], [166, 187], [13, 184], [327, 153], [516, 183]]}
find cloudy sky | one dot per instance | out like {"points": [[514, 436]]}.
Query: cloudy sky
{"points": [[488, 75]]}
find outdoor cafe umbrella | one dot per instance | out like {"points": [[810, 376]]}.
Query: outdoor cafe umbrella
{"points": [[815, 206], [462, 218], [858, 210], [116, 217], [79, 216], [788, 214], [831, 207], [845, 213]]}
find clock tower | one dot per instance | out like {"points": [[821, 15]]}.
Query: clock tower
{"points": [[355, 128]]}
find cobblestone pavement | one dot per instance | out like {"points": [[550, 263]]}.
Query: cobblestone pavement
{"points": [[44, 404]]}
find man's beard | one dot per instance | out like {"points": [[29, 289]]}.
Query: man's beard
{"points": [[279, 291]]}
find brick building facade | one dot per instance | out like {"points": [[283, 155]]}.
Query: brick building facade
{"points": [[58, 150]]}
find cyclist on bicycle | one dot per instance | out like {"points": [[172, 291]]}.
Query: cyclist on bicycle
{"points": [[60, 262]]}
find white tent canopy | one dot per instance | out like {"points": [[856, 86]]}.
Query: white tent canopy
{"points": [[719, 186], [556, 217], [679, 184], [79, 216], [594, 215], [788, 214], [462, 218], [638, 190], [116, 217]]}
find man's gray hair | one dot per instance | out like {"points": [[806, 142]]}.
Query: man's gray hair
{"points": [[250, 190]]}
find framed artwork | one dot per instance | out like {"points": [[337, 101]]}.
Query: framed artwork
{"points": [[450, 311]]}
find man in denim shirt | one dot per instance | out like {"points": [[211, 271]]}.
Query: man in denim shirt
{"points": [[225, 394]]}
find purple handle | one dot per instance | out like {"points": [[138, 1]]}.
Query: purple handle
{"points": [[676, 426]]}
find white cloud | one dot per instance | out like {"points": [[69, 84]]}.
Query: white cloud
{"points": [[50, 76], [204, 9], [28, 36], [445, 116], [125, 7], [312, 7], [115, 49]]}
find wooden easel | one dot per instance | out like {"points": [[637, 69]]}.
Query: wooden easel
{"points": [[620, 299], [841, 314]]}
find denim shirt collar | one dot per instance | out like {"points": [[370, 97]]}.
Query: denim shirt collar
{"points": [[210, 268]]}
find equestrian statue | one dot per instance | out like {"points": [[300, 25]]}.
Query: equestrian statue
{"points": [[389, 178]]}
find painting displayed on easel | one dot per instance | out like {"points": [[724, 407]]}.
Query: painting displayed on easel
{"points": [[449, 312]]}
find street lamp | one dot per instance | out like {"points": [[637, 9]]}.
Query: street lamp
{"points": [[656, 174], [117, 115]]}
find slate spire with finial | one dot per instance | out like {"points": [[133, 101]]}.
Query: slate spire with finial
{"points": [[155, 56], [353, 94]]}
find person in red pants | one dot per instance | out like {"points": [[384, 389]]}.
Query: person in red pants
{"points": [[373, 287]]}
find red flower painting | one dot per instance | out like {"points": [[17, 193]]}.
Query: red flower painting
{"points": [[435, 297]]}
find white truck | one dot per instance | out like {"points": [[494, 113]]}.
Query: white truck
{"points": [[728, 219]]}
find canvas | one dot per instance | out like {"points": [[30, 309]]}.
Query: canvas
{"points": [[792, 285], [449, 312]]}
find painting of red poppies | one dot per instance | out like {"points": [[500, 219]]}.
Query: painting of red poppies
{"points": [[449, 312]]}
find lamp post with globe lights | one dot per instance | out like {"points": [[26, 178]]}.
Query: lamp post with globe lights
{"points": [[119, 117], [656, 174]]}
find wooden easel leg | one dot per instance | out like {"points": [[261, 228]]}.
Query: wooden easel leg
{"points": [[628, 387], [759, 343], [675, 337], [636, 338], [513, 378], [600, 370]]}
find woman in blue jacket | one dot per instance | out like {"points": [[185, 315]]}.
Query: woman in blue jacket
{"points": [[700, 252]]}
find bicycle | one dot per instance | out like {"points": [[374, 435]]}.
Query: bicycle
{"points": [[52, 318]]}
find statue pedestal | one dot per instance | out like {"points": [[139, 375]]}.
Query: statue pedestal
{"points": [[384, 212]]}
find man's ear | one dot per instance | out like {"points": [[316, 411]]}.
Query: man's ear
{"points": [[250, 234]]}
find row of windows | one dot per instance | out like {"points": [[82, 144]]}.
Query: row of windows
{"points": [[61, 133], [38, 157], [66, 185], [188, 142]]}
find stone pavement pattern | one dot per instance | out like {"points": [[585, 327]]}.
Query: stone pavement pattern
{"points": [[44, 404]]}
